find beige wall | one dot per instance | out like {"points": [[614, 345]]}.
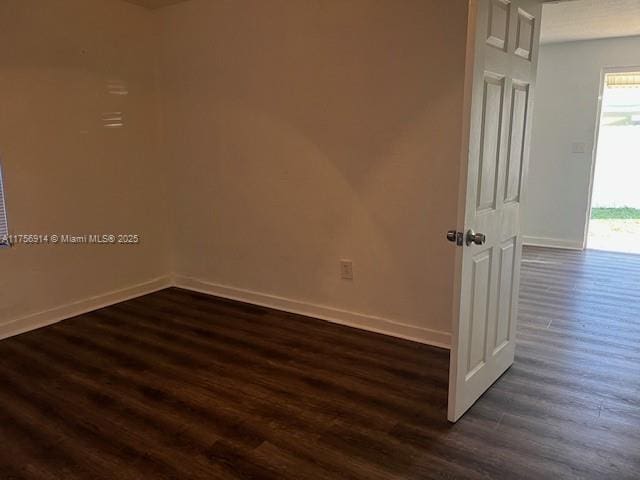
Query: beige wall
{"points": [[297, 134], [65, 172], [305, 132]]}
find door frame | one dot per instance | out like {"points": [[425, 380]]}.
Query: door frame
{"points": [[594, 152]]}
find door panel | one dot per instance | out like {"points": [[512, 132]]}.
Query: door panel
{"points": [[490, 138], [498, 30], [479, 312], [505, 54], [519, 104], [505, 294], [525, 34]]}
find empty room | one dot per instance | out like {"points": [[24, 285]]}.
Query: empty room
{"points": [[319, 239]]}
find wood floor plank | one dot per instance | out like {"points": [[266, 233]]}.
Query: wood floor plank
{"points": [[178, 384]]}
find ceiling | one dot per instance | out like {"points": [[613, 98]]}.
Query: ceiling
{"points": [[154, 3], [590, 19]]}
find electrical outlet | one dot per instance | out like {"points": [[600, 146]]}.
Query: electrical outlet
{"points": [[346, 269], [578, 147]]}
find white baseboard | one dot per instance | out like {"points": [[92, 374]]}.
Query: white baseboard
{"points": [[552, 243], [343, 317], [54, 315], [352, 319]]}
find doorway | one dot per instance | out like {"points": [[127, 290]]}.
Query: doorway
{"points": [[614, 220]]}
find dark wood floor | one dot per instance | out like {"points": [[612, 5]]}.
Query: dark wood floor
{"points": [[180, 385]]}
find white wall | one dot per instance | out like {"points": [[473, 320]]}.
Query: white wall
{"points": [[565, 113], [65, 172], [305, 132]]}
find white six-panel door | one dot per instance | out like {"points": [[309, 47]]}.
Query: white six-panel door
{"points": [[504, 61]]}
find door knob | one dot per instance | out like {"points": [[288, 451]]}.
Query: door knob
{"points": [[475, 238]]}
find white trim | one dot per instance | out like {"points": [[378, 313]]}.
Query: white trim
{"points": [[552, 243], [343, 317], [56, 314], [594, 156]]}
